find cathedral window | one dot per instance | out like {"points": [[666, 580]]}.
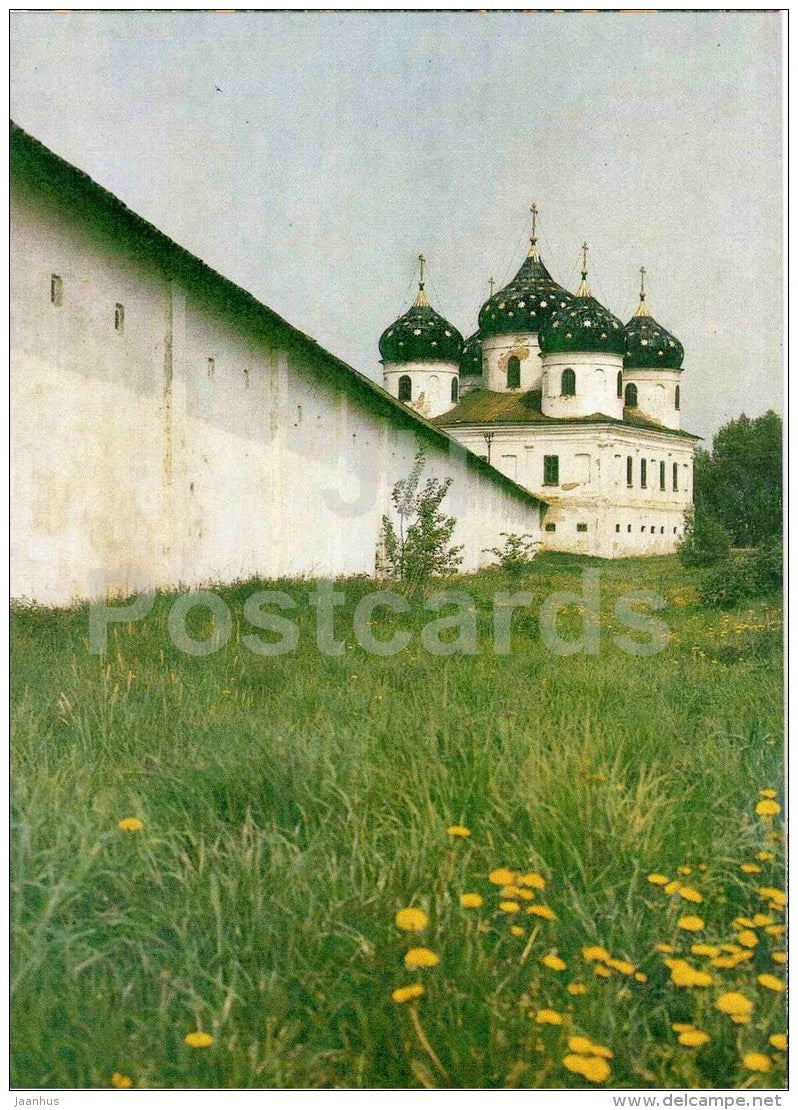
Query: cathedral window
{"points": [[677, 398], [455, 391], [56, 290], [629, 471], [630, 399], [551, 470], [620, 383], [405, 388], [643, 475], [119, 317], [662, 475], [675, 476], [513, 372], [568, 383]]}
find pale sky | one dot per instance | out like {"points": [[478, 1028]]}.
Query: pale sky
{"points": [[338, 146]]}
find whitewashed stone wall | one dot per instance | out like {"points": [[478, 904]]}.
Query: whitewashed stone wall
{"points": [[656, 394], [431, 384], [497, 351], [596, 385], [186, 449]]}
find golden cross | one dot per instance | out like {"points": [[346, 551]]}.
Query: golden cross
{"points": [[534, 211], [491, 283], [584, 259], [421, 271], [642, 283]]}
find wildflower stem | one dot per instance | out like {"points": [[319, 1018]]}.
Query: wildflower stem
{"points": [[422, 1040]]}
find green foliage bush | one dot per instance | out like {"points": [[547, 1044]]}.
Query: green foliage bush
{"points": [[743, 577], [517, 553], [705, 543]]}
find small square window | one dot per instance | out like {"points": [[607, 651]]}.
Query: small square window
{"points": [[551, 527], [628, 528], [642, 528], [617, 527], [56, 290], [653, 529], [119, 317], [581, 527]]}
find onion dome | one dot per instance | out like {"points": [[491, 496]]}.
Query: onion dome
{"points": [[527, 303], [421, 334], [648, 344], [471, 358], [584, 324]]}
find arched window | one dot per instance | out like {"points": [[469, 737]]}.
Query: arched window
{"points": [[630, 397], [405, 388], [620, 383], [678, 398], [513, 372], [455, 391], [568, 383]]}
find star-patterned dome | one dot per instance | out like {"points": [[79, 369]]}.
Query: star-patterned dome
{"points": [[527, 303], [421, 334], [471, 358], [583, 324], [648, 344]]}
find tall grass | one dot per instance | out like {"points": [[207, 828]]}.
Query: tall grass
{"points": [[291, 805]]}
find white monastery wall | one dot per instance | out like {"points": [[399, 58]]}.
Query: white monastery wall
{"points": [[138, 463], [656, 394]]}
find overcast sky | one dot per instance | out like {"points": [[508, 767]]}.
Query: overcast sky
{"points": [[310, 157]]}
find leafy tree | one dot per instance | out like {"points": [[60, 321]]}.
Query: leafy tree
{"points": [[705, 541], [739, 483], [418, 547]]}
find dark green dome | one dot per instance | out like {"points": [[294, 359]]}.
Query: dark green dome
{"points": [[583, 325], [649, 345], [471, 358], [421, 334], [527, 303]]}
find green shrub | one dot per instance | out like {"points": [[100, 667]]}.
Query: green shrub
{"points": [[517, 553], [769, 560], [743, 577], [705, 543]]}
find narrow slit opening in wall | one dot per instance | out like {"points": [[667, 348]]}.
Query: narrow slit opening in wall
{"points": [[119, 317], [211, 367], [56, 290]]}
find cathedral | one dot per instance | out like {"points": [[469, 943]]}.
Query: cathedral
{"points": [[556, 393]]}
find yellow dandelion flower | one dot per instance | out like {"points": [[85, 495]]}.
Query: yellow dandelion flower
{"points": [[779, 1041], [581, 1045], [734, 1004], [775, 930], [576, 989], [773, 894], [595, 952], [641, 977], [198, 1039], [130, 824], [748, 938], [411, 920], [500, 876], [760, 919], [120, 1081], [471, 901], [602, 971], [693, 1038], [554, 962], [764, 856], [542, 911], [733, 948], [682, 1026], [548, 1017], [420, 957], [458, 830], [702, 867], [704, 950], [772, 982], [684, 975], [767, 808], [743, 923], [779, 957], [769, 793], [672, 887], [667, 948], [408, 994], [685, 870], [756, 1061], [516, 930], [600, 1050], [690, 923], [592, 1068], [690, 894], [656, 879], [509, 907], [533, 879], [750, 868], [623, 966]]}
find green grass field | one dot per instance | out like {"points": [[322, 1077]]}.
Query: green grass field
{"points": [[290, 806]]}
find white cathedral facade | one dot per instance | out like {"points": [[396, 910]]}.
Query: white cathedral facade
{"points": [[555, 392]]}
